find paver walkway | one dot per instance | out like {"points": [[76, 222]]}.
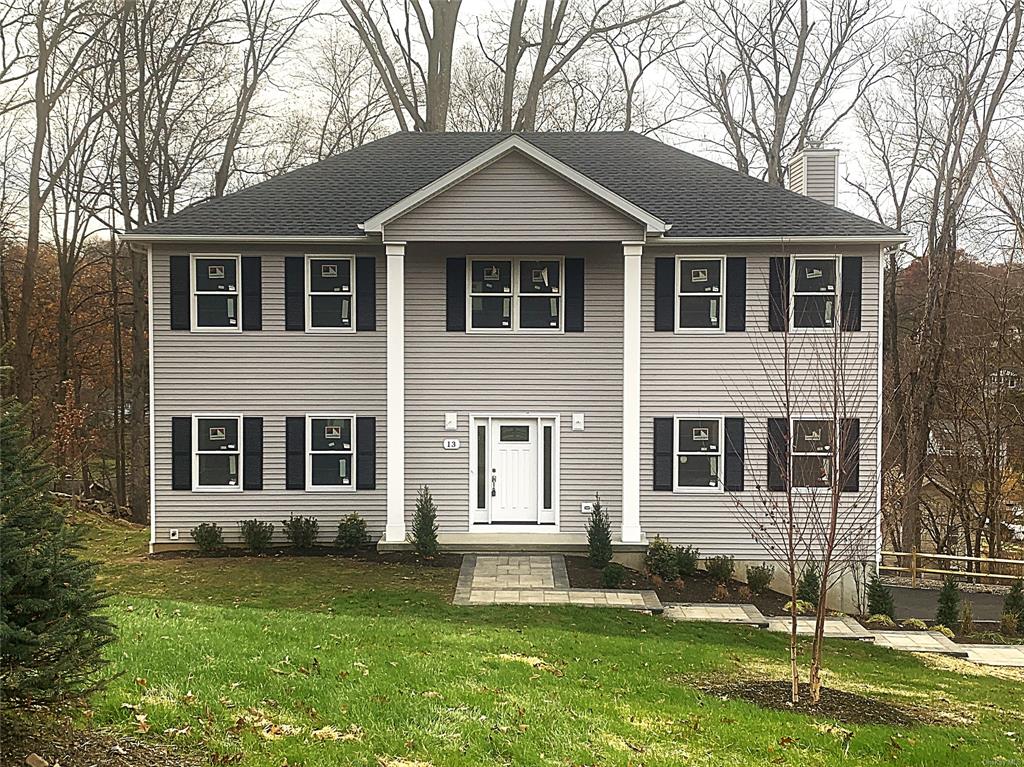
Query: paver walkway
{"points": [[995, 655], [746, 615], [531, 579], [919, 641], [838, 628]]}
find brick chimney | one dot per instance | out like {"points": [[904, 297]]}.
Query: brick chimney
{"points": [[814, 172]]}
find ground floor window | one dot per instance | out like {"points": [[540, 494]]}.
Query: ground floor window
{"points": [[698, 453], [216, 452], [812, 453], [330, 453]]}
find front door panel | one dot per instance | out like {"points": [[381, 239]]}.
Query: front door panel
{"points": [[514, 471]]}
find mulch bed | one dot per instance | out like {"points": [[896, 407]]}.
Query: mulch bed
{"points": [[368, 554], [698, 588], [59, 742], [846, 707]]}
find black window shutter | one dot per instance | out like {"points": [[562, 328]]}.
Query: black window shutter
{"points": [[252, 293], [665, 294], [181, 294], [455, 295], [664, 455], [778, 453], [252, 453], [849, 455], [366, 453], [181, 453], [733, 454], [295, 453], [849, 316], [573, 295], [366, 293], [735, 293], [294, 293], [778, 293]]}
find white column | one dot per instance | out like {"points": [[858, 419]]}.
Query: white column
{"points": [[395, 529], [632, 253]]}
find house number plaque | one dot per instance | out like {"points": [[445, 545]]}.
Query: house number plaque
{"points": [[452, 444]]}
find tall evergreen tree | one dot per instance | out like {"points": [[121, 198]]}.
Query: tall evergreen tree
{"points": [[51, 633]]}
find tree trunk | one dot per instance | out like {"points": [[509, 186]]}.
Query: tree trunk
{"points": [[513, 52], [139, 427]]}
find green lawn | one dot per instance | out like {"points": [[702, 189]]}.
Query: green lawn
{"points": [[322, 661]]}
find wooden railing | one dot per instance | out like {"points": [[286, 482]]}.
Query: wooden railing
{"points": [[912, 562]]}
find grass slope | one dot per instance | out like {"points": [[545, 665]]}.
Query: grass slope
{"points": [[322, 661]]}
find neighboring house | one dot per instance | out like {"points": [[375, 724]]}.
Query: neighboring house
{"points": [[517, 321]]}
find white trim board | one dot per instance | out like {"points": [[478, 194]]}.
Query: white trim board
{"points": [[376, 223]]}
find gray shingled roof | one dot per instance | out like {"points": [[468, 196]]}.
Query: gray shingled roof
{"points": [[698, 197]]}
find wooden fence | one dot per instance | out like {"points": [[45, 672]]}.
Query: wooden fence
{"points": [[914, 563]]}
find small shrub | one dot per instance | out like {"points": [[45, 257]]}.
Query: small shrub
{"points": [[1009, 624], [720, 568], [301, 532], [744, 593], [660, 560], [613, 575], [880, 601], [208, 537], [967, 619], [352, 532], [1013, 602], [599, 535], [759, 578], [257, 535], [720, 593], [944, 630], [881, 620], [948, 613], [687, 560], [914, 623], [424, 525], [802, 607], [808, 589]]}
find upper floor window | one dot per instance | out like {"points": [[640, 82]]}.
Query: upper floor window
{"points": [[700, 294], [698, 453], [330, 452], [330, 297], [216, 452], [812, 452], [515, 294], [215, 292], [815, 292]]}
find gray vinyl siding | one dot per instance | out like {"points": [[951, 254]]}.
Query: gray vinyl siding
{"points": [[270, 373], [814, 175], [478, 374], [513, 198], [730, 375]]}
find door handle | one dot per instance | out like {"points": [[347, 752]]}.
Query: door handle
{"points": [[494, 483]]}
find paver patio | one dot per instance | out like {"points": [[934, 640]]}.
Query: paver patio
{"points": [[530, 579]]}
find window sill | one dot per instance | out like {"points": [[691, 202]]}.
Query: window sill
{"points": [[225, 329]]}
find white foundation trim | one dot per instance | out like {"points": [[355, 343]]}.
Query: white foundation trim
{"points": [[632, 256], [394, 531]]}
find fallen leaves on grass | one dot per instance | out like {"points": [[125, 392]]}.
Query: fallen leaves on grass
{"points": [[327, 732], [530, 660], [401, 761]]}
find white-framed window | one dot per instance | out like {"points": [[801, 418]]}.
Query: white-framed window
{"points": [[700, 294], [216, 292], [217, 452], [330, 294], [812, 452], [814, 303], [514, 294], [330, 452], [699, 453]]}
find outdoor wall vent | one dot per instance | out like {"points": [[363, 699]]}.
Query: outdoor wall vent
{"points": [[172, 534]]}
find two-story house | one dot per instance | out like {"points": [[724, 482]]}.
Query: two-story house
{"points": [[519, 322]]}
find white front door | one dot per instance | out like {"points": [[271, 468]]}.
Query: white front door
{"points": [[513, 470]]}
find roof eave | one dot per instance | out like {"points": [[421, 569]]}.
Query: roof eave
{"points": [[376, 223]]}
